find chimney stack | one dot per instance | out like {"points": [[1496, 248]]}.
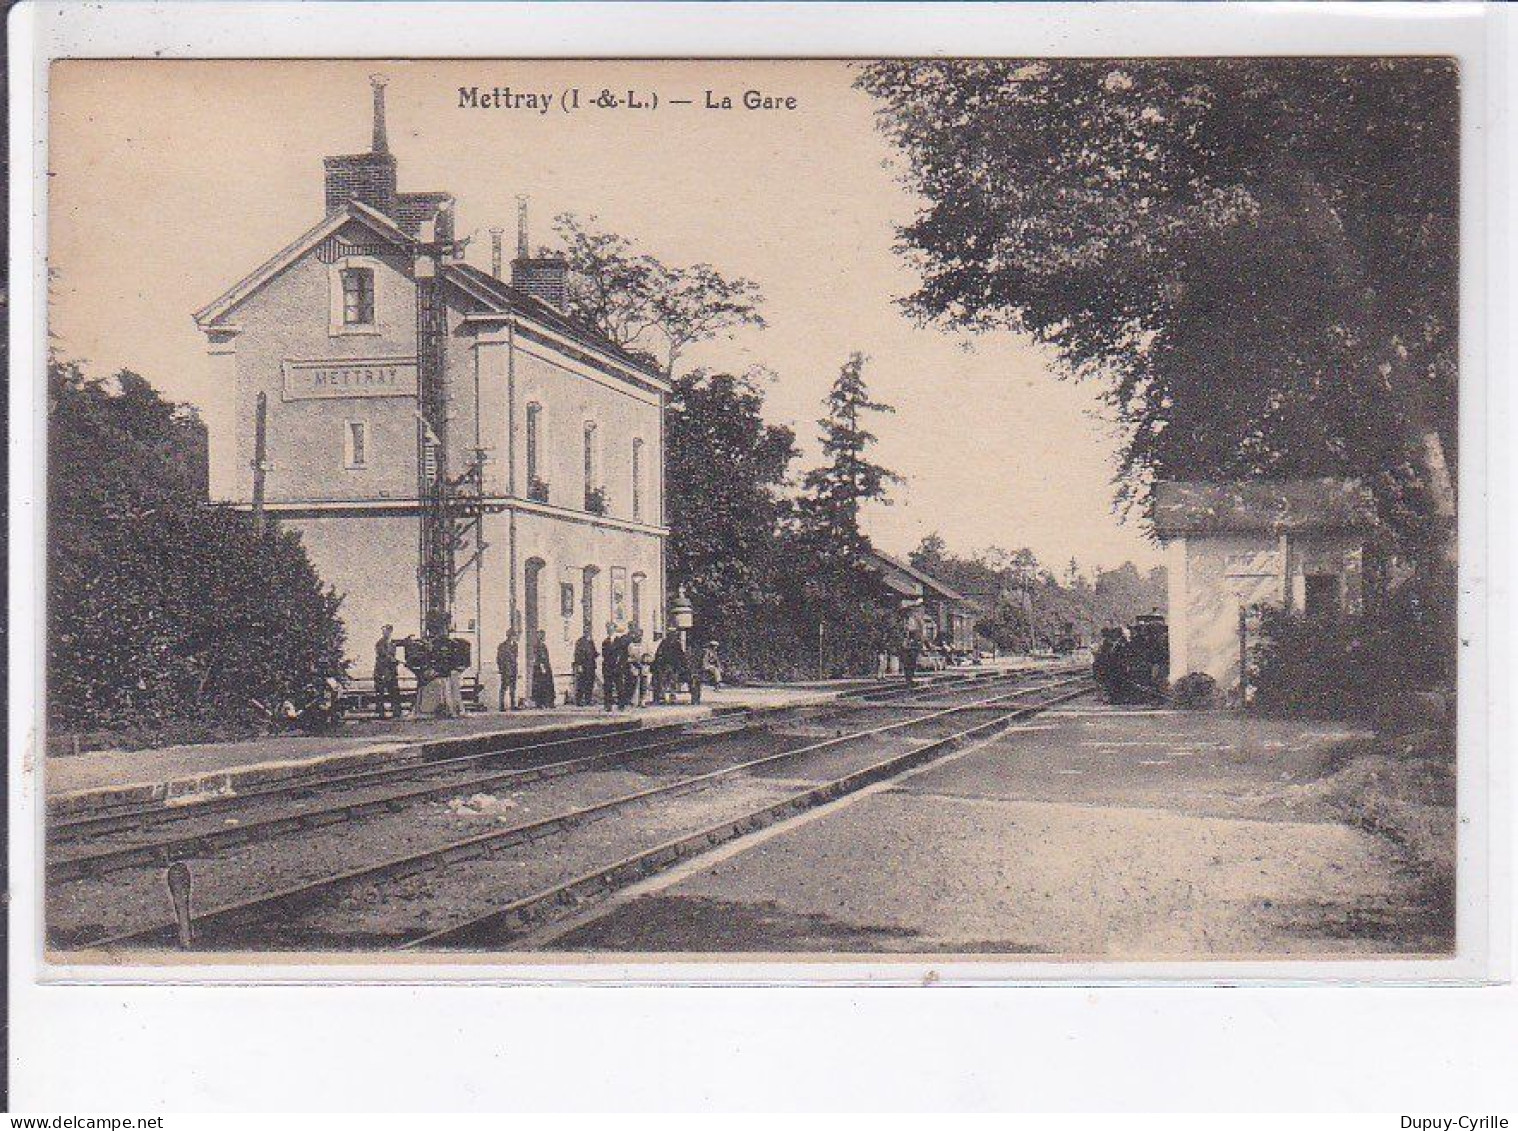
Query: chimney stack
{"points": [[495, 251], [379, 144], [366, 177], [545, 278]]}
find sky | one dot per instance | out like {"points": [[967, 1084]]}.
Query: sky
{"points": [[171, 180]]}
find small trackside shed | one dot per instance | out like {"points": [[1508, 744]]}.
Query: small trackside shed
{"points": [[1298, 544]]}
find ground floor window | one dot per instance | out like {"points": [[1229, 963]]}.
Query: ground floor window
{"points": [[588, 600], [355, 444], [1324, 595]]}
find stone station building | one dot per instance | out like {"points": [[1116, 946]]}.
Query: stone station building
{"points": [[566, 428]]}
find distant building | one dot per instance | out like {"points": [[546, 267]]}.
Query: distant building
{"points": [[566, 428], [934, 609], [1297, 544]]}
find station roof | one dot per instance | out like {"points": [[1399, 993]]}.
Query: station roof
{"points": [[926, 580], [1276, 506], [505, 299], [493, 295]]}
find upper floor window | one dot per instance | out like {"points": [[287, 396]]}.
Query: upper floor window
{"points": [[637, 479], [358, 296], [353, 285], [595, 498], [1324, 597], [536, 486]]}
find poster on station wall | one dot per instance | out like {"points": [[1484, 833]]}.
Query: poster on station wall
{"points": [[619, 594]]}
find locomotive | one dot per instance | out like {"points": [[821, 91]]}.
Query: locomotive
{"points": [[1131, 665]]}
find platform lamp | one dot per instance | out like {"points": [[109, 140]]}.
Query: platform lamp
{"points": [[683, 614]]}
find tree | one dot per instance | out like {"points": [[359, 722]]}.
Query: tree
{"points": [[166, 617], [832, 588], [637, 301], [1257, 257], [730, 466], [930, 553], [839, 488]]}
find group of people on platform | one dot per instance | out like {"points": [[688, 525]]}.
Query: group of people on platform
{"points": [[912, 651], [632, 672]]}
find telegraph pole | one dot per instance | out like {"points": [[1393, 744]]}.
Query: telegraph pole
{"points": [[260, 460]]}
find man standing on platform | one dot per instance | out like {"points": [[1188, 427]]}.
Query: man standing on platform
{"points": [[387, 674], [911, 646], [632, 644], [506, 663], [613, 659], [585, 669], [667, 662]]}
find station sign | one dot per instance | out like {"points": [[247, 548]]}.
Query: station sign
{"points": [[341, 378]]}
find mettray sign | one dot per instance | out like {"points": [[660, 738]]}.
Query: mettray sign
{"points": [[326, 379]]}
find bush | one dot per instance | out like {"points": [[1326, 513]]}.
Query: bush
{"points": [[1195, 691], [167, 617], [1351, 666]]}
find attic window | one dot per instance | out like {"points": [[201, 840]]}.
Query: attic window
{"points": [[358, 296]]}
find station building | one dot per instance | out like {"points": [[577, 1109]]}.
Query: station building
{"points": [[565, 428], [1232, 547], [937, 612]]}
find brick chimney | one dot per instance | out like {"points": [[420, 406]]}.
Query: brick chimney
{"points": [[543, 277], [365, 177]]}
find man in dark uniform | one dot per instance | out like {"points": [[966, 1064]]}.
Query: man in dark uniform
{"points": [[387, 674], [613, 659], [585, 669], [669, 667], [506, 663], [911, 646]]}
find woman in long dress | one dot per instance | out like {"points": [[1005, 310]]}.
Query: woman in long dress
{"points": [[542, 672]]}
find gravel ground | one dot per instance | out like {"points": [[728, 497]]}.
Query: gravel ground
{"points": [[386, 914], [1085, 834]]}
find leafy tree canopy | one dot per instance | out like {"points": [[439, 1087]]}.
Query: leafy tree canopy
{"points": [[730, 466], [1257, 257], [641, 303]]}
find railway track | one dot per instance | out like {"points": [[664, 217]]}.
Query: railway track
{"points": [[740, 793], [99, 843], [476, 752]]}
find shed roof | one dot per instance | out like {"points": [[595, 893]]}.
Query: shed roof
{"points": [[1261, 505]]}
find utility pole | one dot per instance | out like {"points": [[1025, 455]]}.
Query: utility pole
{"points": [[449, 505], [435, 576], [260, 463]]}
